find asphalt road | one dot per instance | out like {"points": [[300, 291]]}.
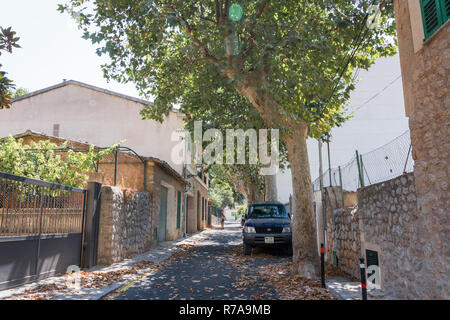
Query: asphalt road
{"points": [[209, 271]]}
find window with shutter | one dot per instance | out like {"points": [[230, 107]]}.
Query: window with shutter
{"points": [[434, 14]]}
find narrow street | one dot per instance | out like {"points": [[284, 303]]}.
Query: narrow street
{"points": [[213, 269], [216, 269]]}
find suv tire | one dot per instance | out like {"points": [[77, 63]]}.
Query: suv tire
{"points": [[289, 250]]}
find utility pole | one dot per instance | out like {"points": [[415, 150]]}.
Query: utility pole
{"points": [[322, 195]]}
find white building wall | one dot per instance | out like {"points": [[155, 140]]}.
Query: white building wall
{"points": [[95, 117], [373, 125]]}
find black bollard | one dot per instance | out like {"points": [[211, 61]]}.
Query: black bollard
{"points": [[322, 265], [363, 279]]}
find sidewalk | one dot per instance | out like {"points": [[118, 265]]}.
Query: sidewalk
{"points": [[343, 289], [55, 288]]}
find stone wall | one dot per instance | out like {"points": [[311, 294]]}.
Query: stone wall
{"points": [[388, 215], [345, 240], [425, 74], [125, 224]]}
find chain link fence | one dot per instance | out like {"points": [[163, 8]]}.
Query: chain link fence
{"points": [[384, 163]]}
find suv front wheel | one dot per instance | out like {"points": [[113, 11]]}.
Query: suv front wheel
{"points": [[247, 249]]}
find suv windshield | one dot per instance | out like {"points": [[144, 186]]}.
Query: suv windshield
{"points": [[267, 211]]}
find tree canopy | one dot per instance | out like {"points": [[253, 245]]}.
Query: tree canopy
{"points": [[182, 51], [42, 160]]}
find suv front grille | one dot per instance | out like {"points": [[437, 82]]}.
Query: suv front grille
{"points": [[269, 229]]}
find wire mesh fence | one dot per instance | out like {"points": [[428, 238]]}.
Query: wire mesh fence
{"points": [[384, 163]]}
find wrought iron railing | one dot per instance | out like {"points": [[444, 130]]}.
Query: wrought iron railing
{"points": [[30, 207]]}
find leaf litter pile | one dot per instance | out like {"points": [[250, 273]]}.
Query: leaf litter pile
{"points": [[277, 275], [95, 279]]}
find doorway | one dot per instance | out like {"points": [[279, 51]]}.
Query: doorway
{"points": [[162, 214]]}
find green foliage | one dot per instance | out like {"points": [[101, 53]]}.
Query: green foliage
{"points": [[8, 40], [241, 211], [289, 51], [221, 194], [42, 160], [15, 93]]}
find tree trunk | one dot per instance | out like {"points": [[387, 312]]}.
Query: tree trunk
{"points": [[270, 182], [304, 236], [305, 256]]}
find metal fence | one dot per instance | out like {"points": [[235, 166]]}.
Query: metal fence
{"points": [[31, 207], [41, 228], [384, 163]]}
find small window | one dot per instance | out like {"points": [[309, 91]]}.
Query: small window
{"points": [[434, 14]]}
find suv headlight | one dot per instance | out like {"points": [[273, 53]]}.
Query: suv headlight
{"points": [[286, 229], [250, 229]]}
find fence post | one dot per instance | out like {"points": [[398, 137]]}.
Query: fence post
{"points": [[362, 170], [363, 278], [91, 225], [359, 168], [115, 166], [342, 187], [322, 265], [407, 157], [329, 161]]}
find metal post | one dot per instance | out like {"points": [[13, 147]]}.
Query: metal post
{"points": [[342, 187], [359, 168], [90, 242], [362, 170], [115, 166], [329, 162], [322, 265], [407, 158], [322, 194], [363, 279], [38, 249]]}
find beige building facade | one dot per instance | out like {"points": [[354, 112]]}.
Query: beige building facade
{"points": [[80, 112]]}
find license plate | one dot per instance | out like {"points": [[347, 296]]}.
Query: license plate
{"points": [[268, 240]]}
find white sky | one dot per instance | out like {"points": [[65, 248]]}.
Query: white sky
{"points": [[52, 48]]}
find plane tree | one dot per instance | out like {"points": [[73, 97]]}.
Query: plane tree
{"points": [[293, 61]]}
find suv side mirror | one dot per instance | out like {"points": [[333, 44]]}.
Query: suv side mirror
{"points": [[246, 216]]}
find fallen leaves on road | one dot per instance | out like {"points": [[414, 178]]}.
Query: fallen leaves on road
{"points": [[290, 286], [278, 275]]}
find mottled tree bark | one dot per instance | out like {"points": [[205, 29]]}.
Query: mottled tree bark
{"points": [[305, 256], [271, 192]]}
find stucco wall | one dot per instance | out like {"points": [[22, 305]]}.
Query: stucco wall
{"points": [[426, 81], [95, 117]]}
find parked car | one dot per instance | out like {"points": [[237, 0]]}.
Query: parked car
{"points": [[267, 224]]}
